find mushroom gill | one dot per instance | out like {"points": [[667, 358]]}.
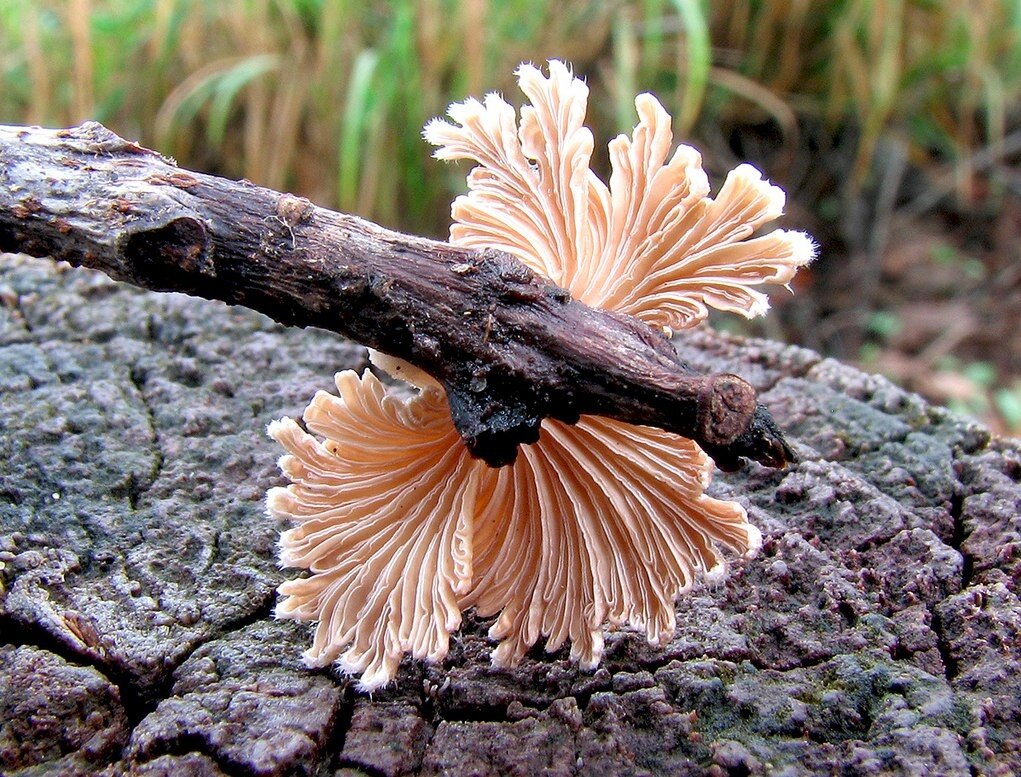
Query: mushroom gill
{"points": [[597, 523], [383, 529]]}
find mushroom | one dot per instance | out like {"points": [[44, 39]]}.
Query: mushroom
{"points": [[597, 523], [384, 504]]}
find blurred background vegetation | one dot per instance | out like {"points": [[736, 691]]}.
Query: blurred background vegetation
{"points": [[893, 124]]}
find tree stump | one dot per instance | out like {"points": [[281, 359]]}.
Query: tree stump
{"points": [[876, 633]]}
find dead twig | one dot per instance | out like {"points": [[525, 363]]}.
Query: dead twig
{"points": [[510, 347]]}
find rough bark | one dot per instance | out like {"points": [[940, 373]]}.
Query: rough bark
{"points": [[876, 633], [510, 347]]}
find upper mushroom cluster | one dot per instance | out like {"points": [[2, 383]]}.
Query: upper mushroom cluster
{"points": [[597, 523]]}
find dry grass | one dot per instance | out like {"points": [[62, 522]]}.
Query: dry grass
{"points": [[328, 98]]}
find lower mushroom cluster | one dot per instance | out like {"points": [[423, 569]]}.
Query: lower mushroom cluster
{"points": [[597, 523]]}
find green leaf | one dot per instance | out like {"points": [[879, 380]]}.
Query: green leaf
{"points": [[1008, 404], [980, 373], [884, 324]]}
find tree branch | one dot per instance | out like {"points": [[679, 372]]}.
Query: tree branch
{"points": [[509, 346]]}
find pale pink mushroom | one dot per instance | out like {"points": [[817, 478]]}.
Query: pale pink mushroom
{"points": [[598, 523], [382, 526]]}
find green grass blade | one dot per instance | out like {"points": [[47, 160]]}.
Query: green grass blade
{"points": [[625, 67], [652, 37], [184, 107], [358, 107], [228, 86], [699, 60]]}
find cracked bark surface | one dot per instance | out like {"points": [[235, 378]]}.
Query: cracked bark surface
{"points": [[877, 632]]}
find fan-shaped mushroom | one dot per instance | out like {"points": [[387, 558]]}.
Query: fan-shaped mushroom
{"points": [[600, 522]]}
